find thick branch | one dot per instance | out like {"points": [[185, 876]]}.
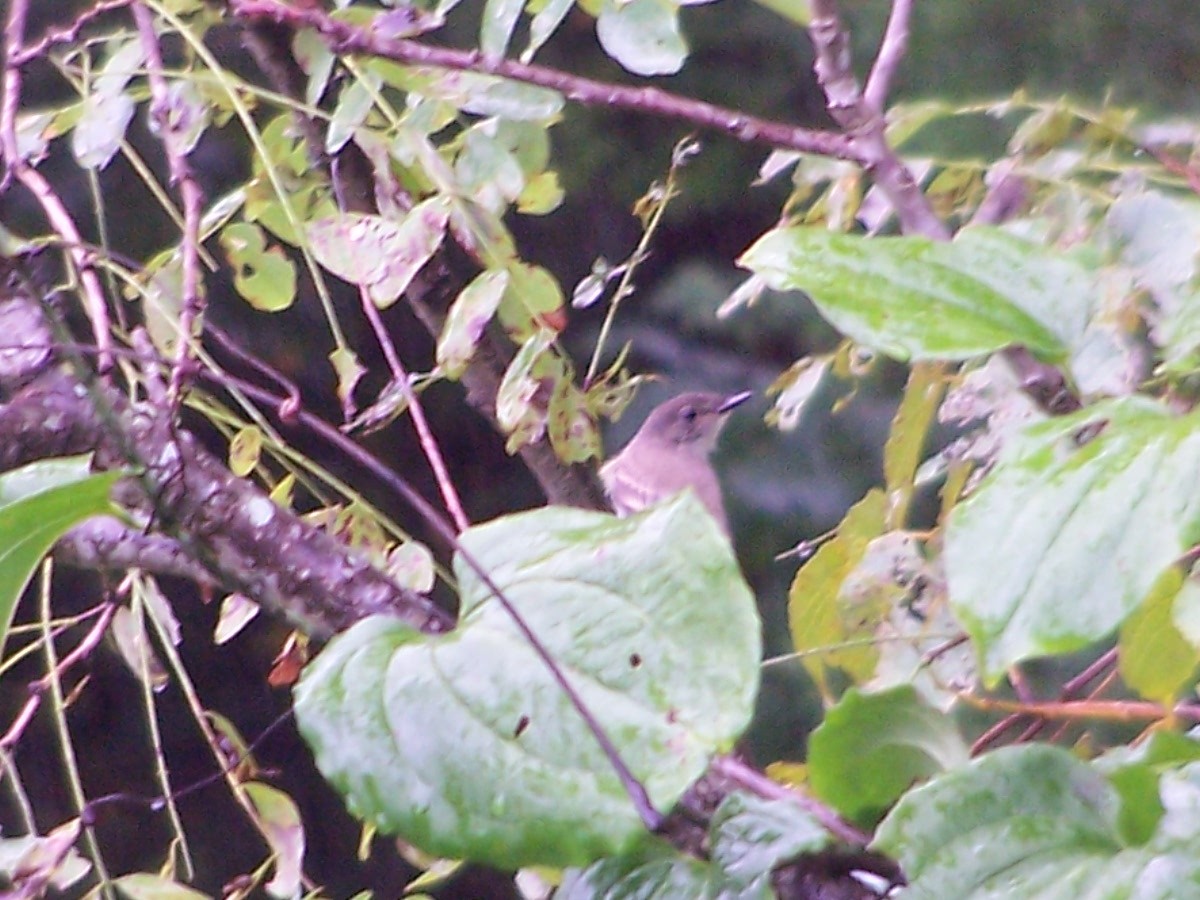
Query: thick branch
{"points": [[242, 537], [106, 544]]}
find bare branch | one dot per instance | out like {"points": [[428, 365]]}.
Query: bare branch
{"points": [[428, 442], [239, 534], [66, 34], [346, 38], [189, 191], [18, 167], [865, 125], [891, 52]]}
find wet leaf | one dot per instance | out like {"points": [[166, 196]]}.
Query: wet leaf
{"points": [[427, 734], [1091, 507]]}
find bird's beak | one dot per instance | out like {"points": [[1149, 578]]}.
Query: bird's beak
{"points": [[735, 400]]}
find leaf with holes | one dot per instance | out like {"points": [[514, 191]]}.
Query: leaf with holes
{"points": [[376, 253], [464, 745], [265, 277]]}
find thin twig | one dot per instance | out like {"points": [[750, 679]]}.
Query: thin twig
{"points": [[1073, 688], [1105, 710], [37, 689], [189, 191], [56, 211], [756, 782], [65, 34], [347, 38], [429, 444], [891, 52]]}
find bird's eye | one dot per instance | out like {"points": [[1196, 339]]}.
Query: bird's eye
{"points": [[688, 413]]}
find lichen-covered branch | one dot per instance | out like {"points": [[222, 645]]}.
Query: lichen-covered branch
{"points": [[231, 527]]}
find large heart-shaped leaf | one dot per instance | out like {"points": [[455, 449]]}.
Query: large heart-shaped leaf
{"points": [[464, 745]]}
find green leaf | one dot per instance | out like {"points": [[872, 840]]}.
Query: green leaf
{"points": [[1019, 822], [872, 747], [1156, 660], [353, 106], [1081, 514], [657, 872], [486, 95], [496, 28], [245, 450], [532, 295], [545, 22], [265, 278], [906, 119], [381, 255], [463, 744], [642, 35], [469, 316], [39, 503], [349, 372], [279, 822], [516, 413], [148, 886], [1044, 130], [908, 435], [910, 297], [814, 611], [751, 835], [486, 170], [1051, 287], [573, 432], [795, 11], [187, 116], [1134, 771]]}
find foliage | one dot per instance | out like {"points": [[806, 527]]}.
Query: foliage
{"points": [[1044, 300]]}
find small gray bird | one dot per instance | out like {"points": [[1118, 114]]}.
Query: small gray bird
{"points": [[669, 453]]}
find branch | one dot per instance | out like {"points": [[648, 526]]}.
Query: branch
{"points": [[18, 167], [69, 33], [757, 783], [346, 38], [429, 444], [863, 122], [106, 544], [433, 288], [189, 192], [891, 52], [241, 536]]}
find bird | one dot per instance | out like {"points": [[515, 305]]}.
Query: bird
{"points": [[670, 453]]}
